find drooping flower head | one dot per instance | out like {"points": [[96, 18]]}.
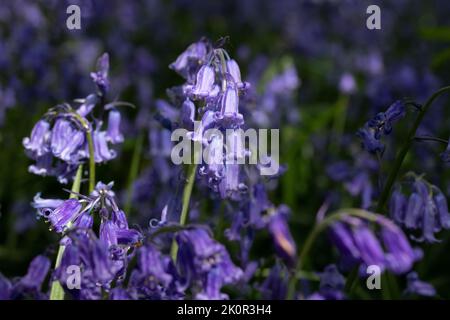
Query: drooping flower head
{"points": [[380, 125], [59, 142], [359, 244], [421, 208], [331, 285], [205, 261]]}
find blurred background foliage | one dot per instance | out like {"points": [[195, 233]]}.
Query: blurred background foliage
{"points": [[42, 63]]}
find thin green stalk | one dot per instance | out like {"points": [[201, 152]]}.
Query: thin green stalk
{"points": [[192, 169], [91, 161], [404, 150], [429, 138], [90, 141], [57, 292], [314, 234], [134, 170]]}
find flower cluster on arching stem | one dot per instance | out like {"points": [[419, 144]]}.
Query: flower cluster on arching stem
{"points": [[59, 141]]}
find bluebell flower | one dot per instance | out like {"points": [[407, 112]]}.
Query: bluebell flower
{"points": [[188, 62], [381, 125], [30, 285], [40, 203], [113, 132], [342, 238], [399, 255], [98, 266], [230, 185], [88, 105], [63, 215], [359, 244], [36, 274], [78, 214], [204, 84], [331, 286], [274, 286], [100, 76], [102, 152], [212, 287], [279, 229], [120, 294], [199, 256], [5, 288], [38, 141], [397, 206], [424, 211], [67, 141], [369, 140], [417, 287], [188, 114], [235, 72], [151, 279], [229, 116], [369, 247], [59, 143]]}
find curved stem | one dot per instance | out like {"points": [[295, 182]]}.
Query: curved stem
{"points": [[430, 138], [185, 208], [404, 150], [57, 292], [314, 234]]}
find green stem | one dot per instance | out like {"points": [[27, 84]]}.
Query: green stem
{"points": [[314, 234], [433, 139], [57, 292], [404, 151], [90, 140], [91, 161], [134, 170], [185, 208]]}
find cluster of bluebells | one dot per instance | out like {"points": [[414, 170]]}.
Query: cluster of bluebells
{"points": [[212, 93], [59, 141], [213, 83], [360, 245], [30, 285], [421, 208], [380, 125]]}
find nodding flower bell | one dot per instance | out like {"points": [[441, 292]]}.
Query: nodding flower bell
{"points": [[100, 76], [205, 82], [425, 209], [359, 244], [63, 215], [37, 143], [235, 72], [59, 142], [282, 238], [67, 141], [331, 285], [78, 214], [381, 125], [229, 116], [113, 132], [188, 62], [205, 261]]}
